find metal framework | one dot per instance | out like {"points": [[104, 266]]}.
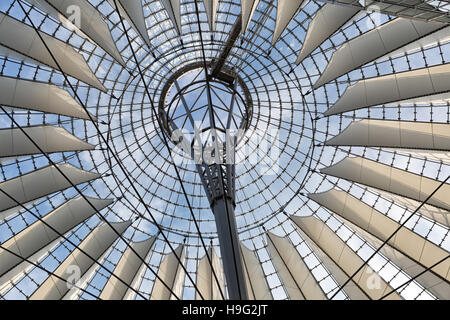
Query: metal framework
{"points": [[411, 9], [335, 100]]}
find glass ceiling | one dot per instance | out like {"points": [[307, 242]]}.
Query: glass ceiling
{"points": [[288, 117]]}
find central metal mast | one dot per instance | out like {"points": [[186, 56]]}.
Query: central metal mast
{"points": [[219, 184], [216, 164], [217, 170], [219, 178]]}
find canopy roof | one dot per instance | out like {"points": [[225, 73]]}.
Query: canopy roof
{"points": [[350, 101]]}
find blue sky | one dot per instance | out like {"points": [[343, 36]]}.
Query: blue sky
{"points": [[136, 138]]}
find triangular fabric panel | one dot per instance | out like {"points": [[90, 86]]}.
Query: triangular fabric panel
{"points": [[374, 44], [286, 10], [379, 225], [126, 270], [391, 179], [40, 183], [38, 235], [430, 281], [257, 286], [211, 7], [19, 270], [351, 289], [440, 36], [133, 12], [394, 134], [392, 88], [50, 139], [343, 255], [436, 214], [95, 244], [91, 22], [248, 8], [18, 39], [168, 271], [39, 96], [174, 11], [206, 282], [325, 23], [297, 278]]}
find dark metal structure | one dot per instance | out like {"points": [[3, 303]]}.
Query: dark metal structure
{"points": [[224, 149]]}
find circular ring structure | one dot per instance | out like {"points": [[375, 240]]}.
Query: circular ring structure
{"points": [[341, 107]]}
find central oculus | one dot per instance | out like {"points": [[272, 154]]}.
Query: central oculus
{"points": [[197, 117]]}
